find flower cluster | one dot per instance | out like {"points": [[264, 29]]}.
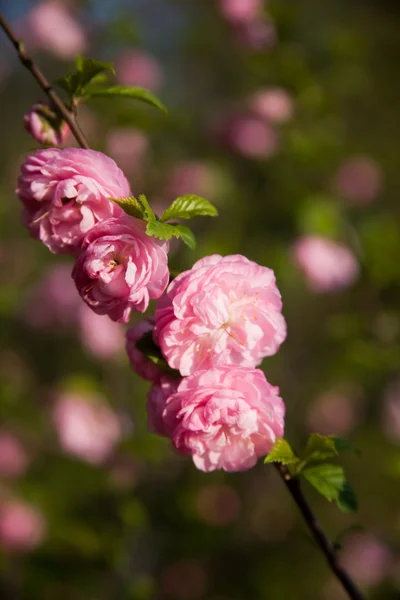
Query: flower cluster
{"points": [[212, 327], [66, 196]]}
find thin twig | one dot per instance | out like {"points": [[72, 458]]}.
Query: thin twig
{"points": [[293, 486], [26, 60]]}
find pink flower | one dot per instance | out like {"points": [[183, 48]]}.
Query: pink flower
{"points": [[253, 137], [101, 337], [121, 268], [54, 301], [225, 310], [50, 26], [65, 193], [157, 398], [86, 427], [45, 125], [240, 11], [138, 68], [142, 365], [22, 526], [327, 265], [226, 417], [13, 456], [273, 104], [359, 179]]}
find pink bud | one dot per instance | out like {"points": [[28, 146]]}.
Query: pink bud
{"points": [[45, 125], [22, 526]]}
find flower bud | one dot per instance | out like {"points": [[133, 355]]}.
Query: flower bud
{"points": [[45, 125]]}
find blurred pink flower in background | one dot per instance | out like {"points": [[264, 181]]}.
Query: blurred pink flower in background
{"points": [[367, 558], [128, 147], [327, 265], [391, 411], [54, 301], [259, 34], [273, 104], [100, 336], [359, 179], [14, 459], [137, 67], [50, 26], [240, 11], [253, 137], [87, 427], [334, 413], [191, 177], [22, 526]]}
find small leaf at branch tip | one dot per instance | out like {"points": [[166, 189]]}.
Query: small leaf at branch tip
{"points": [[126, 91], [87, 69], [165, 231], [281, 452], [343, 445], [188, 206], [330, 481], [320, 447], [130, 205]]}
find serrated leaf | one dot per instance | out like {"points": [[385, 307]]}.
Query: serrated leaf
{"points": [[281, 452], [347, 499], [343, 445], [148, 212], [327, 479], [320, 447], [186, 207], [87, 70], [127, 91], [165, 231], [130, 205]]}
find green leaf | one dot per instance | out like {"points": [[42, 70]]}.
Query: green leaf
{"points": [[130, 205], [320, 447], [86, 72], [343, 445], [147, 346], [126, 91], [148, 212], [347, 499], [186, 207], [281, 452], [327, 479], [165, 231]]}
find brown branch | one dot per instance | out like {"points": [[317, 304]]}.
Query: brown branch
{"points": [[293, 486], [26, 60]]}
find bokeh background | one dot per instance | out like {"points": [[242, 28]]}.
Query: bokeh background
{"points": [[285, 114]]}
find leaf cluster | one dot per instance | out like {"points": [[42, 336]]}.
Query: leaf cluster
{"points": [[326, 477]]}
